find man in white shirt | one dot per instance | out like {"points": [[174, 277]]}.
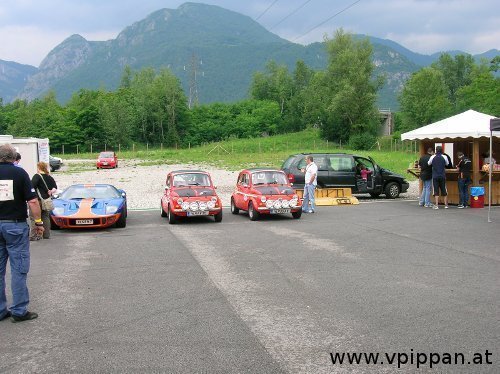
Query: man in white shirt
{"points": [[310, 182]]}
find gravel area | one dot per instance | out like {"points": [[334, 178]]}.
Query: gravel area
{"points": [[144, 184]]}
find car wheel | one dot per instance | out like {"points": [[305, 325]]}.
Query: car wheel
{"points": [[374, 194], [53, 226], [172, 218], [52, 169], [122, 221], [234, 209], [392, 190], [162, 211], [252, 213], [297, 214], [218, 217]]}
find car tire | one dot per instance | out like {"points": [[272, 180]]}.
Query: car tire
{"points": [[162, 211], [374, 194], [297, 214], [122, 221], [252, 213], [234, 209], [53, 226], [218, 217], [392, 190], [172, 218]]}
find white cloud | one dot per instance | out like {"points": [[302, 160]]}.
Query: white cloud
{"points": [[28, 45]]}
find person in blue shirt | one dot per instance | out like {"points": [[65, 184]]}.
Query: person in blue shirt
{"points": [[439, 163]]}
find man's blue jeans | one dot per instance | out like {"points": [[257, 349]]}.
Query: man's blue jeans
{"points": [[425, 197], [463, 191], [15, 246], [308, 197]]}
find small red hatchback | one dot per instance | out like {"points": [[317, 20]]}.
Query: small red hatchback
{"points": [[190, 193], [107, 160], [264, 191]]}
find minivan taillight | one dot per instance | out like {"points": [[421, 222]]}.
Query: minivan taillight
{"points": [[291, 178]]}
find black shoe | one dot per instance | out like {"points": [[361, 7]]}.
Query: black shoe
{"points": [[28, 316], [7, 315]]}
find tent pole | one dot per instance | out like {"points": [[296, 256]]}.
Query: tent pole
{"points": [[489, 176]]}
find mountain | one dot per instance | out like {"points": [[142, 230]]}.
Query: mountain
{"points": [[223, 48], [13, 77]]}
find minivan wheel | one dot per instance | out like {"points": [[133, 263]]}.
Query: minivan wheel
{"points": [[392, 190]]}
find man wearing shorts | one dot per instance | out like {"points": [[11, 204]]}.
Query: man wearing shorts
{"points": [[439, 163]]}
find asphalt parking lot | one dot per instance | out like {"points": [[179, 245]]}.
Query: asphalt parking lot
{"points": [[276, 295]]}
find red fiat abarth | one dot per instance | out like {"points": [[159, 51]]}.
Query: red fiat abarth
{"points": [[190, 193], [264, 191]]}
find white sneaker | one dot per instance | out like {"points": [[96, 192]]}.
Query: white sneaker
{"points": [[446, 207], [435, 207], [460, 206]]}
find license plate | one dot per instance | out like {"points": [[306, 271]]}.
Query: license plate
{"points": [[198, 213], [280, 211], [104, 163], [84, 222]]}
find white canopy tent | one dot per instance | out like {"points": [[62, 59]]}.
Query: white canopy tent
{"points": [[469, 124], [466, 125]]}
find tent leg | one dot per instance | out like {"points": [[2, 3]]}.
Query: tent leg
{"points": [[489, 176]]}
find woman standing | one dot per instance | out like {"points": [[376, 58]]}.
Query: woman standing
{"points": [[45, 186]]}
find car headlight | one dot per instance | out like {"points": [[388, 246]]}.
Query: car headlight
{"points": [[263, 199], [185, 205], [193, 206], [277, 204], [269, 204], [58, 210], [213, 199], [285, 204], [202, 205], [111, 209], [293, 202], [179, 201], [211, 204]]}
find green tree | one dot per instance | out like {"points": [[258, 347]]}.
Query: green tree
{"points": [[456, 72], [424, 99], [482, 94], [349, 89]]}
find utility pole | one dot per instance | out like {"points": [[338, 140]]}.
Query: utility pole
{"points": [[193, 84]]}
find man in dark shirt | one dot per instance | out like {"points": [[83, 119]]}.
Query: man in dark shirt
{"points": [[439, 163], [426, 177], [464, 170], [15, 191]]}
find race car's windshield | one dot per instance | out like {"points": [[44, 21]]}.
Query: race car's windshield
{"points": [[269, 177], [191, 179], [106, 155], [90, 192]]}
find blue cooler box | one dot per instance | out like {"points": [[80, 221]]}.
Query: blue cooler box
{"points": [[477, 191]]}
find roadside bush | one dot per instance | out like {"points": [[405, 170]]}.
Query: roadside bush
{"points": [[362, 142]]}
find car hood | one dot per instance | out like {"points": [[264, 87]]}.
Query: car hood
{"points": [[88, 207], [194, 191], [388, 173], [274, 190], [106, 159]]}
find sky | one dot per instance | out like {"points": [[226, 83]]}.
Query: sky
{"points": [[30, 29]]}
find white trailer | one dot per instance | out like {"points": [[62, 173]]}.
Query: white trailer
{"points": [[32, 150]]}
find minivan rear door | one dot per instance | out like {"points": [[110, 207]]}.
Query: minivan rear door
{"points": [[341, 171]]}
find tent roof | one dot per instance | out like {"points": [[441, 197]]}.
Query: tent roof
{"points": [[469, 124]]}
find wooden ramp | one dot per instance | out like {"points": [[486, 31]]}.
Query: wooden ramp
{"points": [[332, 196]]}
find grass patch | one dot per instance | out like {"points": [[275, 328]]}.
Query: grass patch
{"points": [[269, 151]]}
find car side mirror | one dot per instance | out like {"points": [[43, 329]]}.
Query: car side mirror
{"points": [[55, 196], [124, 195], [215, 187]]}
